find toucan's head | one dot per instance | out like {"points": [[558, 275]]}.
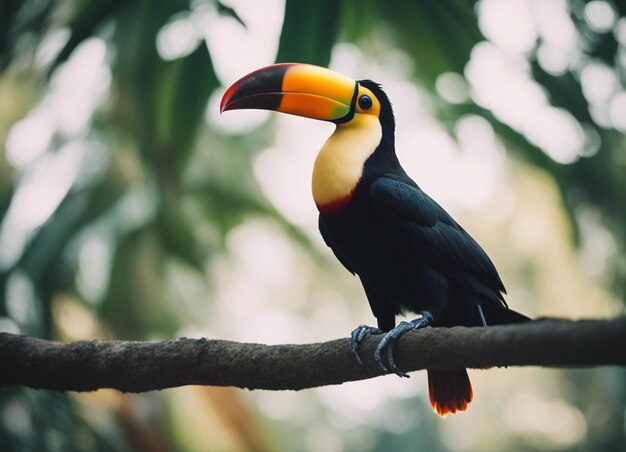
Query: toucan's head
{"points": [[310, 91], [360, 109]]}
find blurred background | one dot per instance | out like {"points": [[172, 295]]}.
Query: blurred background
{"points": [[130, 209]]}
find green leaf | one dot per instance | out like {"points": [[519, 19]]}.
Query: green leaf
{"points": [[439, 36], [160, 103], [137, 303], [309, 31], [184, 89], [85, 22], [177, 235], [17, 19]]}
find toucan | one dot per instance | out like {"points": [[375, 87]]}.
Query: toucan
{"points": [[408, 252]]}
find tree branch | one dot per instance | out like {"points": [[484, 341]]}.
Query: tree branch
{"points": [[143, 366]]}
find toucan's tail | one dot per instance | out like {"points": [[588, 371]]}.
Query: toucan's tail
{"points": [[450, 390]]}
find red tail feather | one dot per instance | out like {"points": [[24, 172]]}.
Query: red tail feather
{"points": [[450, 390]]}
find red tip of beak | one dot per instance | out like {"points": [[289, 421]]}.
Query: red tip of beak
{"points": [[269, 76], [227, 96]]}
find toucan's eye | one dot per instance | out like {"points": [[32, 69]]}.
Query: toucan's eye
{"points": [[365, 102]]}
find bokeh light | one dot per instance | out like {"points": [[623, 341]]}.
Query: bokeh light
{"points": [[109, 227]]}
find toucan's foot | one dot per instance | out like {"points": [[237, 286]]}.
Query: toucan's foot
{"points": [[389, 340], [358, 335]]}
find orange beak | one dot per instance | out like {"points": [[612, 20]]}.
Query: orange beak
{"points": [[297, 89]]}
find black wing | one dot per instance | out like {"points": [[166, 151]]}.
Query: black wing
{"points": [[421, 223], [327, 239]]}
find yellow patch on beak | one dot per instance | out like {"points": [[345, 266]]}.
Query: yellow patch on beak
{"points": [[316, 92]]}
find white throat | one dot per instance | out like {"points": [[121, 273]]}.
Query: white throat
{"points": [[339, 164]]}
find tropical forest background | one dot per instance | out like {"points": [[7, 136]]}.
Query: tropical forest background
{"points": [[130, 209]]}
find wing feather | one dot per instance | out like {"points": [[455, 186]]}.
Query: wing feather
{"points": [[412, 216]]}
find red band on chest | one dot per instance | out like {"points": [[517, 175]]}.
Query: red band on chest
{"points": [[335, 206]]}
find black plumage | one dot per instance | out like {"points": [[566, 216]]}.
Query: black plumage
{"points": [[410, 254]]}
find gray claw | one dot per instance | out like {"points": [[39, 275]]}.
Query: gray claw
{"points": [[387, 343], [358, 335], [394, 367], [378, 358]]}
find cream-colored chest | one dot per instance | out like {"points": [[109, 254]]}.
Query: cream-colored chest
{"points": [[339, 164]]}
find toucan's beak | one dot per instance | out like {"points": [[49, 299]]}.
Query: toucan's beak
{"points": [[298, 89]]}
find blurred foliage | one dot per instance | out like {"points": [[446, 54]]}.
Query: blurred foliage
{"points": [[439, 37], [163, 201]]}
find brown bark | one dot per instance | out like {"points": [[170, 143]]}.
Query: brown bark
{"points": [[143, 366]]}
